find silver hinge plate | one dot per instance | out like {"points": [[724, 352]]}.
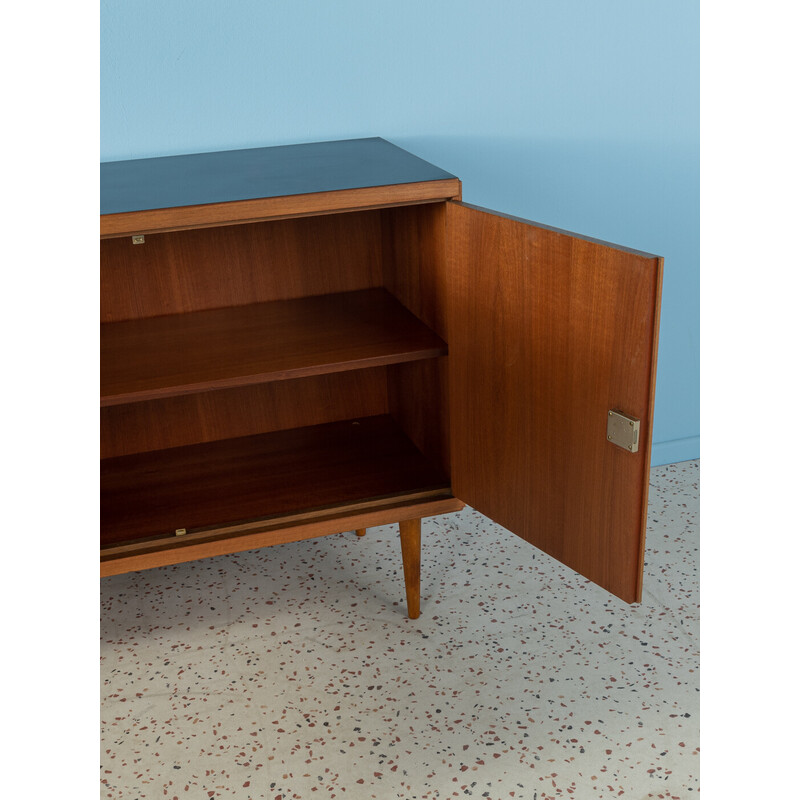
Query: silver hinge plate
{"points": [[623, 431]]}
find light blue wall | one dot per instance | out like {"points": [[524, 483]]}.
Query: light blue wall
{"points": [[577, 113]]}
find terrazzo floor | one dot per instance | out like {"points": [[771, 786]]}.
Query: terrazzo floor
{"points": [[293, 672]]}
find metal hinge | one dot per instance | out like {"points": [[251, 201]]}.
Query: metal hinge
{"points": [[623, 431]]}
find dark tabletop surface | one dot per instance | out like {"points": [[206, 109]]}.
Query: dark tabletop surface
{"points": [[200, 178]]}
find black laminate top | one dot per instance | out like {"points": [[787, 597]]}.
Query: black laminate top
{"points": [[225, 176]]}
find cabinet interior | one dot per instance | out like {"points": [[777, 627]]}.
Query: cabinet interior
{"points": [[272, 370]]}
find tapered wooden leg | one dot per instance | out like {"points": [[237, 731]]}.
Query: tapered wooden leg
{"points": [[410, 544], [361, 531]]}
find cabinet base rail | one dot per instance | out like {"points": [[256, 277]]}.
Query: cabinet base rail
{"points": [[407, 510]]}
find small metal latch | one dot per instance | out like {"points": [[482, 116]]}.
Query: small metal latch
{"points": [[138, 238], [623, 431], [180, 531]]}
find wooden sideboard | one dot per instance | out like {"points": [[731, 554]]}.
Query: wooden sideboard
{"points": [[309, 339]]}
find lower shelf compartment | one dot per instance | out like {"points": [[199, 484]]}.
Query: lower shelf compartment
{"points": [[355, 466], [159, 552]]}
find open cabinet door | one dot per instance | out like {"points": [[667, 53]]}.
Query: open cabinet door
{"points": [[548, 333]]}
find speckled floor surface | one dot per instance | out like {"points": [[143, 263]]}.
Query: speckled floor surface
{"points": [[293, 672]]}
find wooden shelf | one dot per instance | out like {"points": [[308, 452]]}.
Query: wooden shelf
{"points": [[178, 354], [219, 484]]}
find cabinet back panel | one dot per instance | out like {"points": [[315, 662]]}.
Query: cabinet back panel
{"points": [[228, 413], [172, 273], [414, 272]]}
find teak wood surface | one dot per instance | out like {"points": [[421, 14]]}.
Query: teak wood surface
{"points": [[221, 483], [548, 331], [231, 388], [410, 544], [234, 539], [175, 273], [244, 411], [244, 211], [186, 353], [415, 271]]}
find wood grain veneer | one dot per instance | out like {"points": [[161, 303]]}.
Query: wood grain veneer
{"points": [[414, 270], [244, 411], [115, 560], [235, 480], [178, 354], [175, 273], [549, 331], [270, 208], [283, 294]]}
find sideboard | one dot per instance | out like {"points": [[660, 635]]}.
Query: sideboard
{"points": [[317, 338]]}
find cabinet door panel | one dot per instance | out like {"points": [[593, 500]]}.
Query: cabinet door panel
{"points": [[548, 332]]}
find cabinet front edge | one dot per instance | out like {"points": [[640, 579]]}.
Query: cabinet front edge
{"points": [[129, 560], [238, 212]]}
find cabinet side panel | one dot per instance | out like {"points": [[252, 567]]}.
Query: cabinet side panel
{"points": [[172, 273], [414, 261], [417, 397], [548, 333], [414, 272], [229, 413]]}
